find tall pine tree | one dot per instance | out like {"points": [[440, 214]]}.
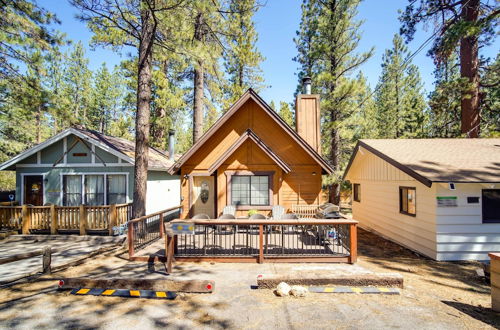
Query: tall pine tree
{"points": [[241, 58], [401, 106], [327, 40]]}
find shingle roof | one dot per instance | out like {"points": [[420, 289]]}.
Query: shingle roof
{"points": [[157, 159], [440, 160]]}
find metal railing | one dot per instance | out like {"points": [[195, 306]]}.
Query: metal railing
{"points": [[269, 239], [149, 228]]}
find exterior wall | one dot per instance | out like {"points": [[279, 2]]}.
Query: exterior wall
{"points": [[163, 191], [378, 209], [53, 183], [461, 234], [52, 163], [300, 185]]}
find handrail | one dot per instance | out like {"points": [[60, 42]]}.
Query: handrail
{"points": [[154, 214], [209, 222]]}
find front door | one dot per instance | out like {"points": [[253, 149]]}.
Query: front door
{"points": [[203, 196], [33, 190]]}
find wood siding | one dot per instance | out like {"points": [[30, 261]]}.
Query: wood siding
{"points": [[378, 209], [461, 233], [298, 185]]}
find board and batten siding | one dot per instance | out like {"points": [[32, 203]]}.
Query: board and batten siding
{"points": [[461, 233], [378, 209]]}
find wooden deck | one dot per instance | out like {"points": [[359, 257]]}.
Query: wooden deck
{"points": [[311, 240]]}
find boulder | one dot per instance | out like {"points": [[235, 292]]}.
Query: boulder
{"points": [[283, 289], [298, 291]]}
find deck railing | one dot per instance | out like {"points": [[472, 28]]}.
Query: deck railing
{"points": [[149, 228], [54, 219], [303, 240]]}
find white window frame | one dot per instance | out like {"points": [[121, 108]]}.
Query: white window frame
{"points": [[105, 174]]}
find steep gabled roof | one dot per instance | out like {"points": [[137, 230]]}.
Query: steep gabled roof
{"points": [[119, 147], [249, 134], [438, 160], [250, 94]]}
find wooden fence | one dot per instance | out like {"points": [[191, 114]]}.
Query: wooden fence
{"points": [[54, 219]]}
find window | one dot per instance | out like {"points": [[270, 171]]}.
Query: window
{"points": [[94, 189], [491, 205], [72, 190], [117, 189], [407, 200], [250, 190], [356, 192]]}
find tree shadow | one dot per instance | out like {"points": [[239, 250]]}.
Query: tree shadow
{"points": [[483, 314]]}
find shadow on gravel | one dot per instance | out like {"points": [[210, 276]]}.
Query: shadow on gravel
{"points": [[483, 314]]}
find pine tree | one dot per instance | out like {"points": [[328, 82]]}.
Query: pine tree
{"points": [[287, 114], [327, 50], [78, 83], [444, 101], [490, 99], [241, 59], [466, 24], [401, 106]]}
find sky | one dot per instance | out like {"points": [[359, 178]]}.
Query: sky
{"points": [[276, 24]]}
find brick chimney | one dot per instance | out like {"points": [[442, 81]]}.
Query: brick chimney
{"points": [[307, 116]]}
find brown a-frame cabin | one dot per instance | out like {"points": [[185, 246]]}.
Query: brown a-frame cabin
{"points": [[252, 159]]}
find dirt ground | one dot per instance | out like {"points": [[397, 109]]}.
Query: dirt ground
{"points": [[442, 295]]}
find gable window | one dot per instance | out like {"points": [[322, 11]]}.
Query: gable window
{"points": [[250, 190], [491, 205], [407, 200], [356, 192]]}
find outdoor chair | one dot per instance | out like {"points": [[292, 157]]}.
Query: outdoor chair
{"points": [[278, 212], [224, 230], [201, 216], [229, 209]]}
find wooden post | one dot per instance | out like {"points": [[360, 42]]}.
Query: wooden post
{"points": [[495, 281], [130, 238], [26, 220], [161, 225], [46, 260], [113, 218], [53, 220], [261, 244], [83, 220], [353, 244], [169, 251]]}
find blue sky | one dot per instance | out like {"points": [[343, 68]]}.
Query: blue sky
{"points": [[276, 24]]}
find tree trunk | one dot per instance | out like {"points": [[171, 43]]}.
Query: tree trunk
{"points": [[198, 82], [469, 65], [143, 112]]}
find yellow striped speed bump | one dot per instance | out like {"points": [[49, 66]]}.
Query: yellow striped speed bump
{"points": [[346, 289], [125, 293]]}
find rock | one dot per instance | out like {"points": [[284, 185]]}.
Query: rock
{"points": [[283, 289], [298, 291]]}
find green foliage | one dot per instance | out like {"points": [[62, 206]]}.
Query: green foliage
{"points": [[326, 42], [490, 100], [242, 59], [287, 114], [444, 101], [401, 106]]}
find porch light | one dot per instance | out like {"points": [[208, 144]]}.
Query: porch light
{"points": [[186, 176], [313, 173]]}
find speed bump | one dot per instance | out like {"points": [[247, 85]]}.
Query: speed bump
{"points": [[124, 293], [362, 290]]}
